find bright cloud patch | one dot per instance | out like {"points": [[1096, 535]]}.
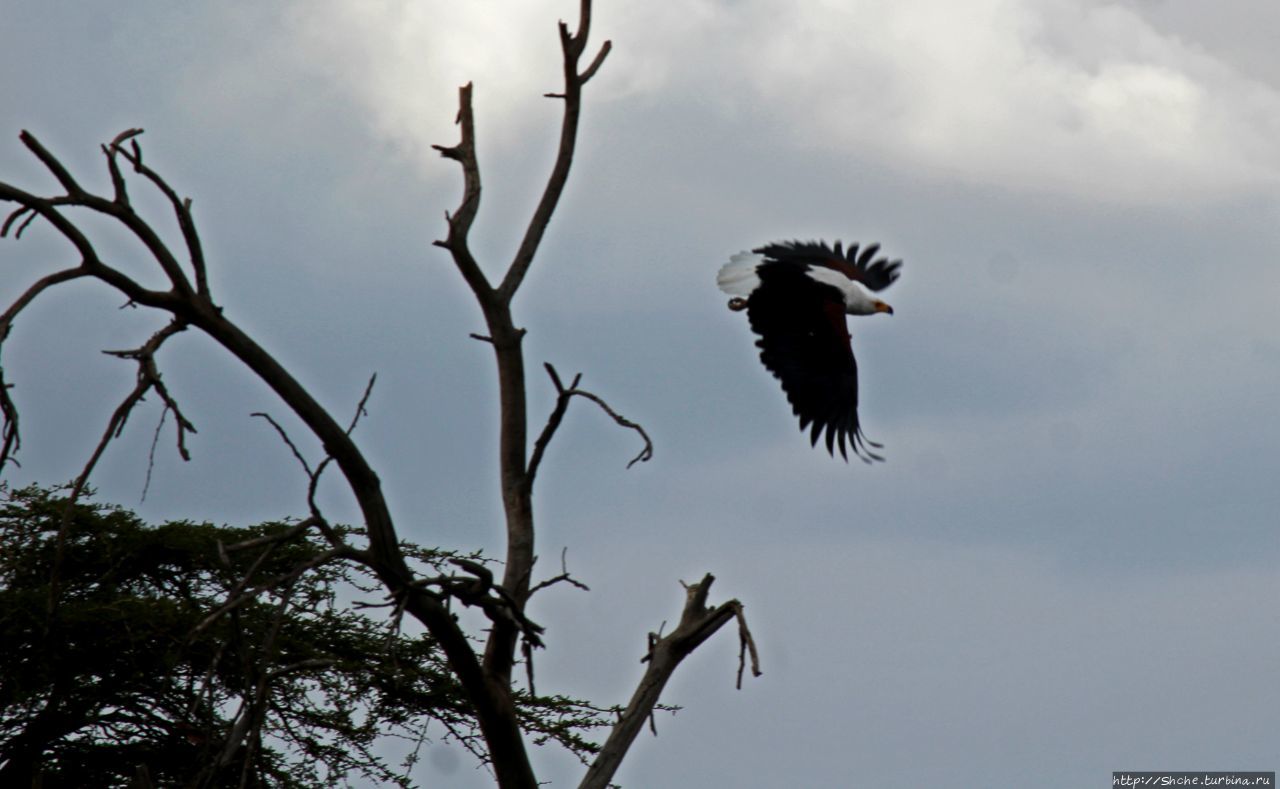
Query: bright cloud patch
{"points": [[1055, 96], [1050, 96]]}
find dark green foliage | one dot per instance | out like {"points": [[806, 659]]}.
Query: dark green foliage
{"points": [[111, 664]]}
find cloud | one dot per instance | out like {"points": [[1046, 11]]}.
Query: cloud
{"points": [[1084, 99], [1090, 100]]}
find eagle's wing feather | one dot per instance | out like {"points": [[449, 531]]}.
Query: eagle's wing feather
{"points": [[804, 342], [874, 274]]}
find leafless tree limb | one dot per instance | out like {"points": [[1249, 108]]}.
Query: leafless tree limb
{"points": [[313, 476], [563, 396], [147, 380], [151, 453], [526, 649], [563, 577], [519, 470], [572, 47], [481, 591], [460, 221], [284, 436], [747, 643], [697, 624], [361, 407], [10, 437], [503, 335], [181, 206]]}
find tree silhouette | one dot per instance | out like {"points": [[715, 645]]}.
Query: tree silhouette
{"points": [[484, 675]]}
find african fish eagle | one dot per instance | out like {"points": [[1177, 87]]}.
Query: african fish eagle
{"points": [[796, 295]]}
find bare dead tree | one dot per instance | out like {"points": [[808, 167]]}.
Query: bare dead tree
{"points": [[188, 302]]}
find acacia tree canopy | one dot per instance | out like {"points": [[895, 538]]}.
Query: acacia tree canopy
{"points": [[112, 659]]}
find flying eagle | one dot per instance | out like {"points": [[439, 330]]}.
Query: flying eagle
{"points": [[796, 295]]}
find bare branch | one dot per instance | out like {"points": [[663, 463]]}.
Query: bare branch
{"points": [[181, 206], [595, 64], [360, 407], [506, 339], [51, 162], [697, 624], [563, 577], [14, 216], [284, 436], [526, 648], [647, 452], [148, 379], [460, 221], [127, 134], [117, 178], [10, 436], [563, 395], [90, 262], [313, 478], [497, 603], [151, 453], [747, 643], [553, 421], [572, 47]]}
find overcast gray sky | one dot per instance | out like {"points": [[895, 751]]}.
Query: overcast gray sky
{"points": [[1068, 565]]}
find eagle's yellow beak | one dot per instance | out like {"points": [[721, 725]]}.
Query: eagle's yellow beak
{"points": [[882, 307]]}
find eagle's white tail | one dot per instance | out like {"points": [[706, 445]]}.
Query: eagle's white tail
{"points": [[738, 277]]}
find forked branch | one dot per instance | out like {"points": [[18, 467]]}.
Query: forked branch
{"points": [[148, 379], [516, 467], [563, 396], [572, 47], [697, 624]]}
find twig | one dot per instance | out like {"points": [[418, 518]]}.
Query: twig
{"points": [[284, 436], [148, 378], [572, 47], [11, 436], [461, 219], [364, 401], [646, 453], [563, 396], [151, 453], [497, 603], [242, 593], [51, 163], [13, 217], [562, 577], [526, 648], [181, 206], [746, 643], [313, 476]]}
